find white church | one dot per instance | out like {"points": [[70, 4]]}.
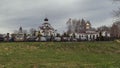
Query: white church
{"points": [[46, 29]]}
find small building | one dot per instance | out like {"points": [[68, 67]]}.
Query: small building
{"points": [[19, 35]]}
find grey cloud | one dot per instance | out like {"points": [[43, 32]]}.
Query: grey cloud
{"points": [[30, 13]]}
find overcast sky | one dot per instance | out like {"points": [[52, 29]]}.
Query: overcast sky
{"points": [[31, 13]]}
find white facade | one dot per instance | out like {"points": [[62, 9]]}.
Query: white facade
{"points": [[46, 29]]}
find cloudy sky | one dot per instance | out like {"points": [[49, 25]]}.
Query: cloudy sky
{"points": [[31, 13]]}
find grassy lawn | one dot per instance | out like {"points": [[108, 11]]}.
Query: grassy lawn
{"points": [[60, 55]]}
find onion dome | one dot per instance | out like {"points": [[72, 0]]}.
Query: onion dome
{"points": [[45, 19]]}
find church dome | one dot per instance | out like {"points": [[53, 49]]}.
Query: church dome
{"points": [[46, 19]]}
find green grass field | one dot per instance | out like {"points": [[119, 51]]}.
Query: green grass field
{"points": [[60, 55]]}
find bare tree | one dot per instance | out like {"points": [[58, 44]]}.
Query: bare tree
{"points": [[25, 31], [69, 26], [15, 31], [117, 12], [74, 26], [116, 0], [83, 25], [115, 29], [32, 31], [104, 28]]}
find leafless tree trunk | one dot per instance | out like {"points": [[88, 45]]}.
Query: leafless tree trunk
{"points": [[115, 30], [76, 26], [69, 26]]}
